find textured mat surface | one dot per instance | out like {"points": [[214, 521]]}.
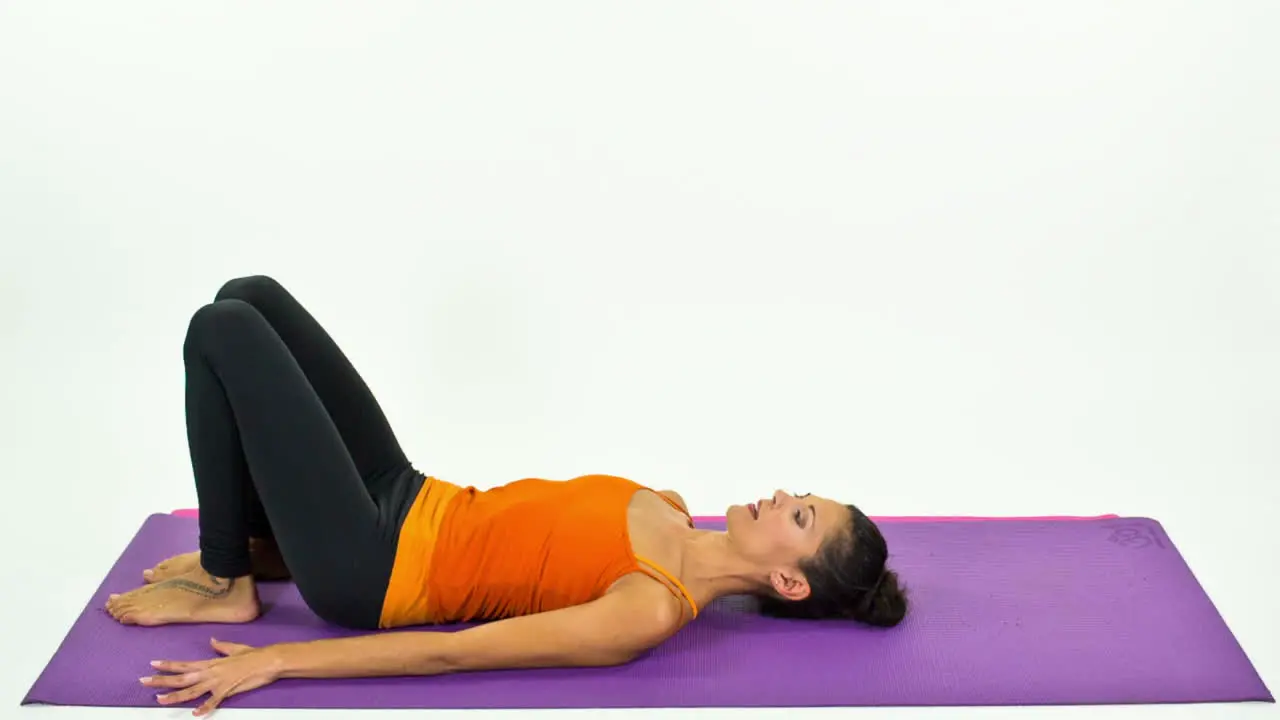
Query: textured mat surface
{"points": [[714, 519], [1005, 612]]}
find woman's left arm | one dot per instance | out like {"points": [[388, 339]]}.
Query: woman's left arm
{"points": [[611, 630]]}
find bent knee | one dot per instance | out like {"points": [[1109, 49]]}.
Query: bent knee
{"points": [[251, 288], [217, 320]]}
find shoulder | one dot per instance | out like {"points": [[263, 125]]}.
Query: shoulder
{"points": [[676, 498], [656, 612]]}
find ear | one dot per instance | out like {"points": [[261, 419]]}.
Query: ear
{"points": [[790, 584]]}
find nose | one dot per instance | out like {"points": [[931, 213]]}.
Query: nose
{"points": [[780, 497]]}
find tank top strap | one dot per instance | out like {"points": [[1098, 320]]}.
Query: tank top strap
{"points": [[676, 505], [675, 586]]}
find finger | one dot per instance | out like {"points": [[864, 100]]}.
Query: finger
{"points": [[173, 681], [228, 648], [184, 695], [173, 666], [207, 706], [216, 698]]}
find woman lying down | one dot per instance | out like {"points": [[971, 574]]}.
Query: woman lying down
{"points": [[299, 476]]}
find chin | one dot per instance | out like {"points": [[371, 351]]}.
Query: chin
{"points": [[736, 514]]}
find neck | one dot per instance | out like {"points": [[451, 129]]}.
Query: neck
{"points": [[711, 569]]}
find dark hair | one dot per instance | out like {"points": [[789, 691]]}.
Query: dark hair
{"points": [[847, 578]]}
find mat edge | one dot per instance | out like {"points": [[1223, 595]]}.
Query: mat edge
{"points": [[27, 698]]}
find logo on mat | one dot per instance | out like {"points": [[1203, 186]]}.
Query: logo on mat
{"points": [[1135, 536]]}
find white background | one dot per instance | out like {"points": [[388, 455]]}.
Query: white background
{"points": [[929, 257]]}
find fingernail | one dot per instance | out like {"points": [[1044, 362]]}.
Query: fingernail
{"points": [[144, 680], [113, 596], [157, 663]]}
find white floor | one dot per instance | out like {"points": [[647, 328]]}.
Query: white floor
{"points": [[929, 257]]}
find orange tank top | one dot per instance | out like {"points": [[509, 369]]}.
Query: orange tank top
{"points": [[522, 548]]}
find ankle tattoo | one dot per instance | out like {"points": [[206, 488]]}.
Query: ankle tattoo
{"points": [[218, 587]]}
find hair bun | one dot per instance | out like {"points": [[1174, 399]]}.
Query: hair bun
{"points": [[884, 604]]}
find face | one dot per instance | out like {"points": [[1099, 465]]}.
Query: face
{"points": [[776, 533]]}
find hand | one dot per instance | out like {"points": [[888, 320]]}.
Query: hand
{"points": [[241, 669]]}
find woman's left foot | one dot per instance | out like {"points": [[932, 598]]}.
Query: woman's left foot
{"points": [[191, 597]]}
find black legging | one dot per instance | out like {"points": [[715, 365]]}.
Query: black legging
{"points": [[288, 442]]}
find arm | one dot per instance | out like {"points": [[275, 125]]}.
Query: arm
{"points": [[609, 631]]}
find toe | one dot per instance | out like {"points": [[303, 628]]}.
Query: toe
{"points": [[129, 614]]}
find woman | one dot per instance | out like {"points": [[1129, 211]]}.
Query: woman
{"points": [[299, 475]]}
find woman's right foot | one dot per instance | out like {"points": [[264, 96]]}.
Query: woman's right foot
{"points": [[265, 564]]}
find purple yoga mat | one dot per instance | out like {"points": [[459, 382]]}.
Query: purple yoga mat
{"points": [[1007, 612]]}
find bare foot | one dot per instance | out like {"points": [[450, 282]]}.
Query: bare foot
{"points": [[173, 567], [265, 563], [191, 597]]}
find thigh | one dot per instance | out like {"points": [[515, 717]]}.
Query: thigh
{"points": [[328, 527], [355, 412]]}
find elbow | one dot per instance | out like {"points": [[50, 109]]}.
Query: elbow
{"points": [[630, 654], [606, 656], [624, 653], [458, 660], [445, 658], [612, 658]]}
